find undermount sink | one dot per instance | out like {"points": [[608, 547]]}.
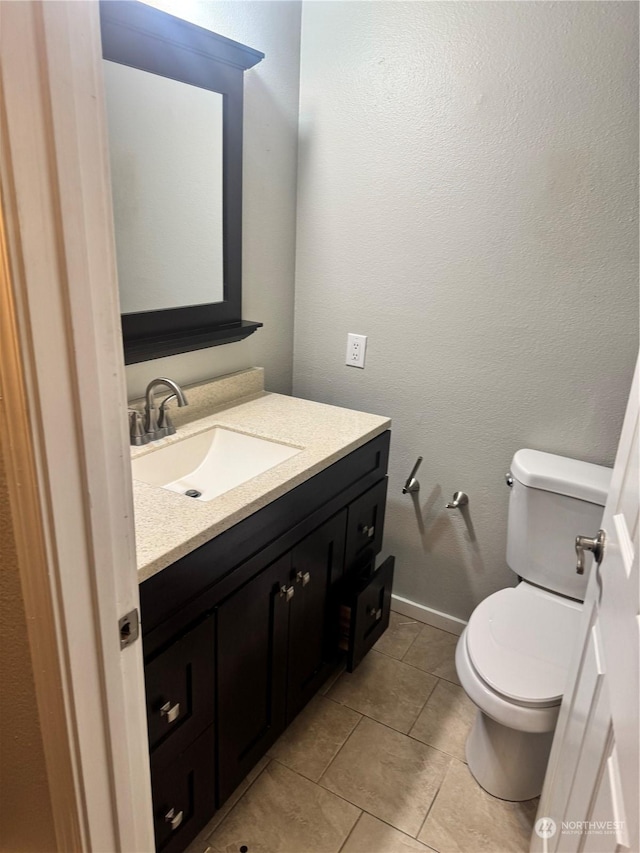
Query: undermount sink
{"points": [[210, 463]]}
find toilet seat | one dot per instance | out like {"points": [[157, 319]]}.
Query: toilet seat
{"points": [[519, 642]]}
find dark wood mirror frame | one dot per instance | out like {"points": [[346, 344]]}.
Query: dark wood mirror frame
{"points": [[142, 37]]}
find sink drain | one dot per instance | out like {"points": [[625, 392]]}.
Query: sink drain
{"points": [[193, 493]]}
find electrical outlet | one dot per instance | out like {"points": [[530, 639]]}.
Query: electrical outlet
{"points": [[356, 349]]}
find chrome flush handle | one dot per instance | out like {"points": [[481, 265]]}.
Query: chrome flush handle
{"points": [[596, 546]]}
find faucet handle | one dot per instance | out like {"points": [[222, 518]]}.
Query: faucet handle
{"points": [[137, 434]]}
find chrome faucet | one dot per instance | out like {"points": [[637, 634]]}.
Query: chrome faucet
{"points": [[157, 423]]}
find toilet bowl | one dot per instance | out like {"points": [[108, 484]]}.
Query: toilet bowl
{"points": [[512, 661], [513, 657]]}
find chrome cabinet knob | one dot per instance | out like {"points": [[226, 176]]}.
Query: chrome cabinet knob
{"points": [[174, 818], [303, 578], [596, 546], [367, 530], [375, 612], [171, 712], [287, 592]]}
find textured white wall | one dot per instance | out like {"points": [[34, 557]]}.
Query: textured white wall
{"points": [[269, 193], [468, 199]]}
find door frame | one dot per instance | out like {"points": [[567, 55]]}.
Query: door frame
{"points": [[63, 416]]}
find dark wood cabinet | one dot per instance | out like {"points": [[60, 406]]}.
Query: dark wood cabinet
{"points": [[252, 670], [240, 634], [274, 636], [317, 569]]}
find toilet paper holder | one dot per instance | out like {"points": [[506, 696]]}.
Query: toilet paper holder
{"points": [[412, 485], [459, 500]]}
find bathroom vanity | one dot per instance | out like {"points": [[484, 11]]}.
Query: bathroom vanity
{"points": [[249, 599]]}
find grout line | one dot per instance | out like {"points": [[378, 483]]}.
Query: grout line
{"points": [[424, 705], [428, 672], [326, 766], [324, 772], [333, 757], [433, 801], [411, 645], [328, 790], [240, 798], [358, 819], [386, 823]]}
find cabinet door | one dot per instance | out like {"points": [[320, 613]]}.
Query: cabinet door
{"points": [[252, 659], [317, 565]]}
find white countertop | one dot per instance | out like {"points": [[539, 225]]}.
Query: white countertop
{"points": [[170, 525]]}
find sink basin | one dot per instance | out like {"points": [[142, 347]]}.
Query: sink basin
{"points": [[210, 463]]}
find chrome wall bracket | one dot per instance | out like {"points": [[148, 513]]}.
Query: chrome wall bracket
{"points": [[412, 485], [459, 500]]}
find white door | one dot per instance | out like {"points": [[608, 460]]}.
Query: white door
{"points": [[590, 797]]}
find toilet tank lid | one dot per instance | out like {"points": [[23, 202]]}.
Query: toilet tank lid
{"points": [[562, 475]]}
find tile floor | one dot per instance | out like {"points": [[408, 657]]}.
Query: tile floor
{"points": [[374, 764]]}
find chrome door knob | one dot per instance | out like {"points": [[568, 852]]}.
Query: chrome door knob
{"points": [[596, 546], [303, 578]]}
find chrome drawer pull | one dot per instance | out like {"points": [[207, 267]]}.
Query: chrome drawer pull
{"points": [[368, 531], [287, 592], [173, 818], [171, 712], [375, 612], [303, 577]]}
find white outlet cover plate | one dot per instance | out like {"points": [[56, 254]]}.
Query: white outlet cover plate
{"points": [[356, 350]]}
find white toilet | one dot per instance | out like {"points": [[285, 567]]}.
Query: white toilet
{"points": [[513, 656]]}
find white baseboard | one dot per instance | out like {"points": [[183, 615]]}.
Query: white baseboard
{"points": [[427, 615]]}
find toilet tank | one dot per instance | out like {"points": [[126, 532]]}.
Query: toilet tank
{"points": [[553, 499]]}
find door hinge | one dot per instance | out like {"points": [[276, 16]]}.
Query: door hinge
{"points": [[129, 627]]}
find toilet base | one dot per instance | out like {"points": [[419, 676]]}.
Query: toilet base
{"points": [[509, 764]]}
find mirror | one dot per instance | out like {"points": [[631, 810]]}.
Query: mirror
{"points": [[174, 95], [165, 147]]}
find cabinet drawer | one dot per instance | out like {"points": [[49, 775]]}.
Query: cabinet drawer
{"points": [[180, 689], [365, 525], [184, 794], [364, 615]]}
